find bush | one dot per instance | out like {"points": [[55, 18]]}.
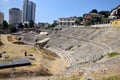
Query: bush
{"points": [[5, 24], [113, 54], [13, 29]]}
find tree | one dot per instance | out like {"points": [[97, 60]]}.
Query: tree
{"points": [[26, 25], [78, 22], [53, 25], [80, 19], [105, 13], [5, 24], [31, 23], [94, 11], [96, 19], [20, 25], [0, 25], [12, 28]]}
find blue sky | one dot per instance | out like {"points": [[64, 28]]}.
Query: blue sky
{"points": [[49, 10]]}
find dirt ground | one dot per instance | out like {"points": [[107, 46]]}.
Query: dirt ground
{"points": [[44, 64]]}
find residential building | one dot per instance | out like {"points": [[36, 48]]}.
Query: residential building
{"points": [[43, 25], [88, 18], [15, 16], [29, 9], [56, 21], [115, 13], [67, 22], [115, 23], [1, 17]]}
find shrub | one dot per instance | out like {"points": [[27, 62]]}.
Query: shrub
{"points": [[113, 54], [12, 28]]}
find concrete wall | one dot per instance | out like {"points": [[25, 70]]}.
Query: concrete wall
{"points": [[115, 23], [101, 25]]}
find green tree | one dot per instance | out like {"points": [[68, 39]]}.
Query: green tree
{"points": [[26, 25], [12, 28], [31, 23], [95, 20], [0, 25], [78, 22], [5, 24], [94, 11], [20, 25], [53, 25], [105, 13]]}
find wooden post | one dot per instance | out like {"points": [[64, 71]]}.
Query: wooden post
{"points": [[25, 53]]}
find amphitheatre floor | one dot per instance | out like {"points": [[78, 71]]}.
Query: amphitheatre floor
{"points": [[17, 51]]}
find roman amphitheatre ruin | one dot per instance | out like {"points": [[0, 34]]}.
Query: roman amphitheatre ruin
{"points": [[61, 54]]}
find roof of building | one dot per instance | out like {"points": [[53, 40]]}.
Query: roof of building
{"points": [[116, 8], [68, 17], [14, 9]]}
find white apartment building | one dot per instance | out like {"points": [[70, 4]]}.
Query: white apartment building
{"points": [[115, 13], [43, 25], [15, 16], [67, 22], [28, 12]]}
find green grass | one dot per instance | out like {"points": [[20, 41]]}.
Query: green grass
{"points": [[96, 28], [112, 78], [71, 78], [81, 63], [113, 54]]}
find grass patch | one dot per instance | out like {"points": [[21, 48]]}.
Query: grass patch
{"points": [[96, 28], [113, 54], [33, 49], [112, 78], [48, 54], [71, 78], [81, 63]]}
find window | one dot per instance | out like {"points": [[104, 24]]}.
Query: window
{"points": [[60, 23], [68, 24], [72, 23]]}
